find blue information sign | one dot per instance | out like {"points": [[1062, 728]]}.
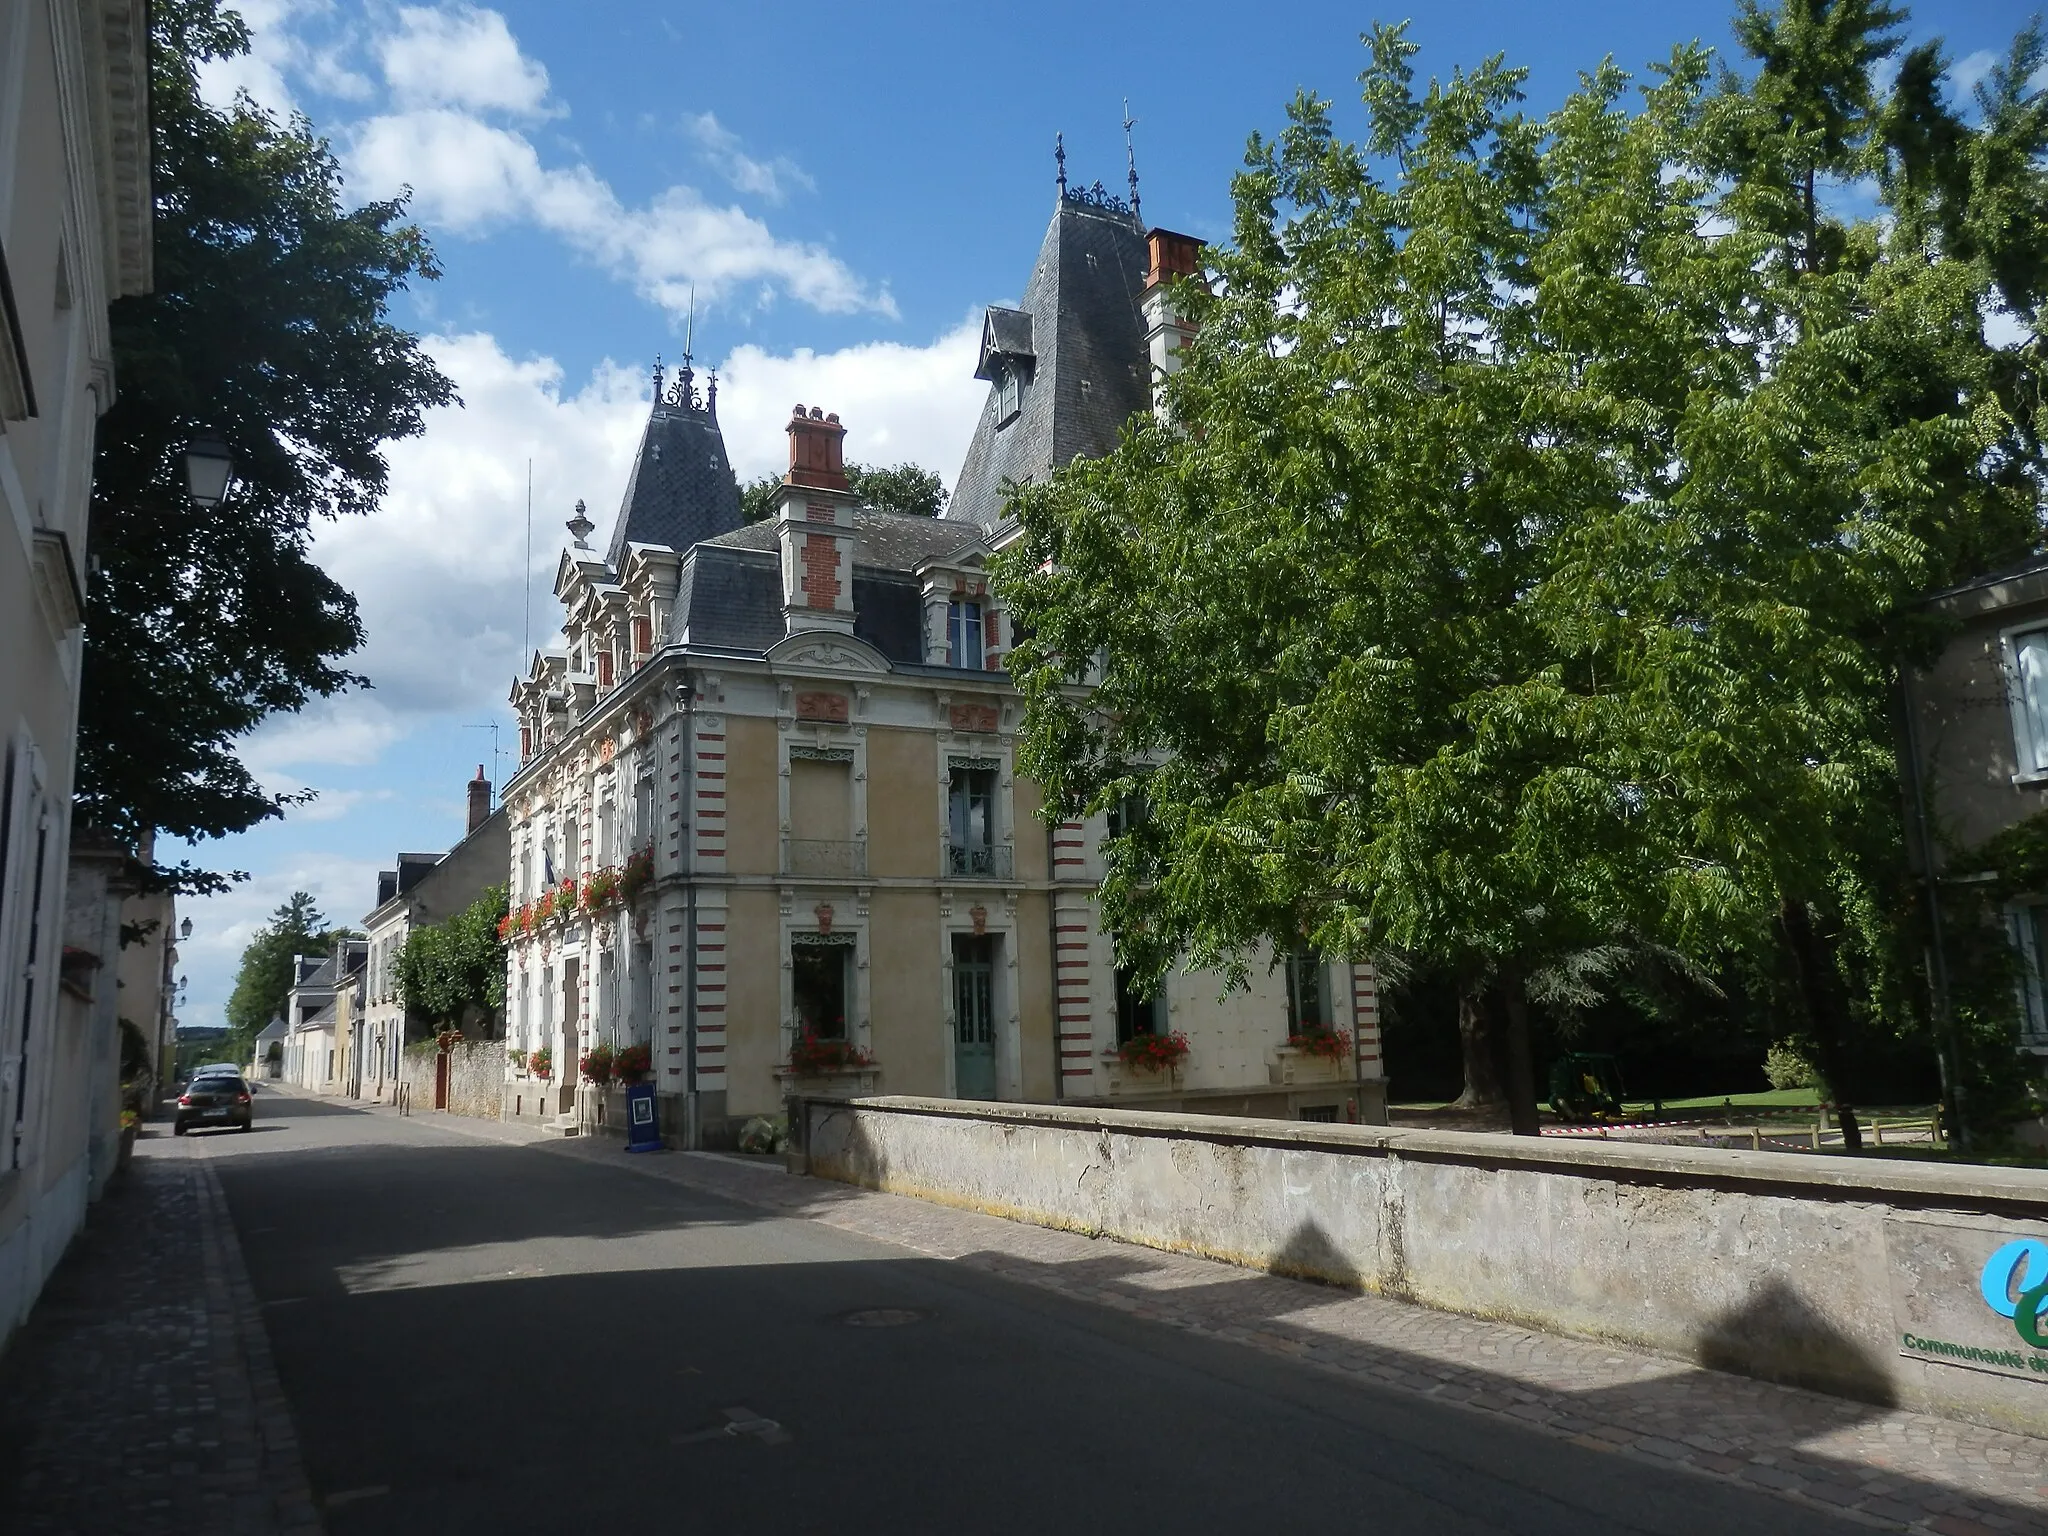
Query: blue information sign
{"points": [[643, 1124]]}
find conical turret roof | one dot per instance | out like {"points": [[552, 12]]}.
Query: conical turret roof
{"points": [[682, 489]]}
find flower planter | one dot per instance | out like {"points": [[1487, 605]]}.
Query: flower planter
{"points": [[1290, 1065], [829, 1082], [1126, 1080]]}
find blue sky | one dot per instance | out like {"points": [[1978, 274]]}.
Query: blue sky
{"points": [[841, 186]]}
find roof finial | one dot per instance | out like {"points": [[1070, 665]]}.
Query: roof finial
{"points": [[1131, 158], [711, 398], [657, 378], [581, 526], [1059, 156], [690, 332]]}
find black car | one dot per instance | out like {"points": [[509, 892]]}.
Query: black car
{"points": [[218, 1098]]}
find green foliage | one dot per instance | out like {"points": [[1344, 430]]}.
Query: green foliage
{"points": [[1526, 569], [1786, 1066], [447, 970], [269, 327], [907, 489], [264, 980]]}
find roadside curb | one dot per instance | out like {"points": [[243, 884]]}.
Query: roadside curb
{"points": [[227, 1282]]}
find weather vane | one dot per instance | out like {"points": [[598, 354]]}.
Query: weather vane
{"points": [[1131, 158]]}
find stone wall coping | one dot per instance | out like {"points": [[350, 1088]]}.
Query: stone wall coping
{"points": [[1795, 1175]]}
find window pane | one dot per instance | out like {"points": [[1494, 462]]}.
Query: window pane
{"points": [[2031, 652]]}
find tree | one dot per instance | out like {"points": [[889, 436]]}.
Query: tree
{"points": [[449, 971], [269, 327], [1521, 582], [906, 489], [264, 980]]}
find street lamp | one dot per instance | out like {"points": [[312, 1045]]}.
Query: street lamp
{"points": [[185, 929], [208, 468]]}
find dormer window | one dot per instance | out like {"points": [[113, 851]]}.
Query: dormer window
{"points": [[963, 634]]}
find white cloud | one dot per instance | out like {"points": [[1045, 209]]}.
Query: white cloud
{"points": [[222, 926], [461, 56], [898, 402], [1969, 72], [279, 47], [769, 179], [472, 176]]}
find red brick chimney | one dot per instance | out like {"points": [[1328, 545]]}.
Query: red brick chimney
{"points": [[479, 799], [817, 447], [1172, 256]]}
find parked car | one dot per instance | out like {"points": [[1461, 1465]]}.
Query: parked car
{"points": [[214, 1099]]}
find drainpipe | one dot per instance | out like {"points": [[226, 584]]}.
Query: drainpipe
{"points": [[1944, 1023], [693, 1117], [1052, 951]]}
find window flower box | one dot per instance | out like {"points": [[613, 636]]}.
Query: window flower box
{"points": [[827, 1069], [1312, 1056]]}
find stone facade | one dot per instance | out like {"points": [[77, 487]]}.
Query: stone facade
{"points": [[768, 792]]}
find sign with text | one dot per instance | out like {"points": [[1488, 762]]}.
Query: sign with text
{"points": [[1972, 1294]]}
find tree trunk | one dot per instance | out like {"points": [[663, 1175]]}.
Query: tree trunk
{"points": [[1820, 989], [1479, 1041], [1523, 1114]]}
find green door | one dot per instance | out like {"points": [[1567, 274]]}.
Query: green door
{"points": [[974, 1024]]}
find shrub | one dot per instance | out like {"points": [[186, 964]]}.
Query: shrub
{"points": [[1786, 1066], [763, 1135]]}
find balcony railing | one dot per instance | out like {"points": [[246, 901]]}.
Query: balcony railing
{"points": [[978, 861], [816, 856]]}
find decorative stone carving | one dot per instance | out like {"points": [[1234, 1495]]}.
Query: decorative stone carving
{"points": [[978, 718], [830, 707]]}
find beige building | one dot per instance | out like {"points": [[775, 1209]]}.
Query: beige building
{"points": [[767, 821], [425, 888], [74, 235]]}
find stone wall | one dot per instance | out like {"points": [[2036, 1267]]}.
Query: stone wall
{"points": [[1863, 1278], [476, 1079]]}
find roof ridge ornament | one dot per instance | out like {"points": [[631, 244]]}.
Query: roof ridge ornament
{"points": [[1059, 157], [580, 525]]}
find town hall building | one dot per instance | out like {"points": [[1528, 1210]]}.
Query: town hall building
{"points": [[767, 822]]}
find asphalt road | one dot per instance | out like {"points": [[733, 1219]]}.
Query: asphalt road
{"points": [[494, 1338]]}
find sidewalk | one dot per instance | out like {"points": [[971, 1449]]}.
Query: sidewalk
{"points": [[1896, 1470], [140, 1398]]}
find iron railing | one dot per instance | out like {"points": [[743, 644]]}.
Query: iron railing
{"points": [[978, 861]]}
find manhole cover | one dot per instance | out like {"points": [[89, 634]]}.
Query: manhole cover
{"points": [[883, 1317]]}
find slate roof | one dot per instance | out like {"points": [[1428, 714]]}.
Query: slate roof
{"points": [[1090, 373], [729, 595], [682, 488]]}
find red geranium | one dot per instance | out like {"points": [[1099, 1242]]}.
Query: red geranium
{"points": [[1153, 1053], [1331, 1044]]}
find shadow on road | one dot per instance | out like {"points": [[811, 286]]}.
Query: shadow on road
{"points": [[537, 1300]]}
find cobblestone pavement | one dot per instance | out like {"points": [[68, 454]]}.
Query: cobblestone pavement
{"points": [[140, 1398], [1892, 1469]]}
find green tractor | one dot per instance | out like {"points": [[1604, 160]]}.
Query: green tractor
{"points": [[1584, 1086]]}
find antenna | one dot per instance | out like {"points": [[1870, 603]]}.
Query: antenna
{"points": [[526, 583], [1131, 158], [690, 332], [496, 753]]}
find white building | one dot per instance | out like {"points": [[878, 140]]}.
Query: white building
{"points": [[74, 235]]}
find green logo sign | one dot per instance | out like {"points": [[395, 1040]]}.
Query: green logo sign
{"points": [[2015, 1285]]}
